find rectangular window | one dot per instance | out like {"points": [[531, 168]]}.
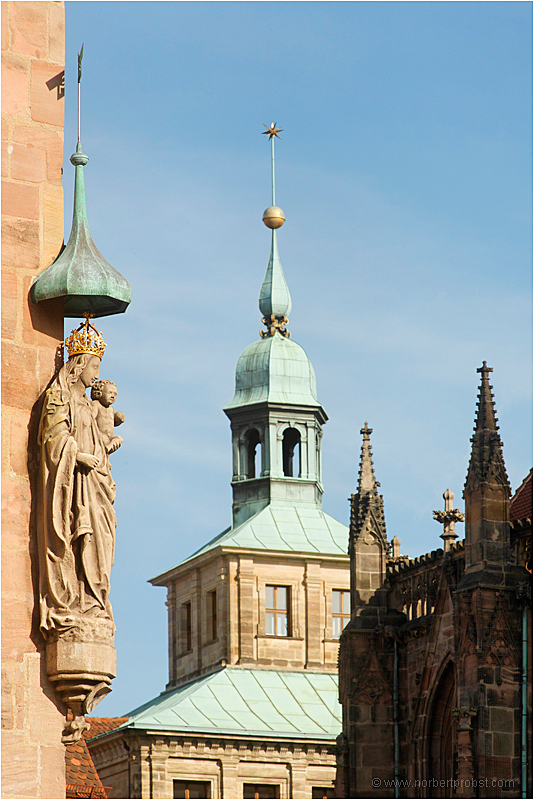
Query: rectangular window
{"points": [[322, 793], [186, 629], [211, 611], [277, 621], [340, 611], [192, 789], [256, 791]]}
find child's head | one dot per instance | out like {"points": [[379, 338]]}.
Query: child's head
{"points": [[105, 392]]}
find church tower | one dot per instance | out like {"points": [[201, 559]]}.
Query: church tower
{"points": [[275, 416], [255, 614]]}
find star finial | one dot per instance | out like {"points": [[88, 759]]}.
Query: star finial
{"points": [[272, 130]]}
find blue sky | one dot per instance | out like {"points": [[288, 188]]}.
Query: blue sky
{"points": [[404, 171]]}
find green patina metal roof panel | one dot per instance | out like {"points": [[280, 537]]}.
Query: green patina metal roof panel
{"points": [[278, 528], [274, 370], [253, 701], [274, 293]]}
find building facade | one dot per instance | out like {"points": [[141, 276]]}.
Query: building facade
{"points": [[255, 615], [33, 35], [435, 667]]}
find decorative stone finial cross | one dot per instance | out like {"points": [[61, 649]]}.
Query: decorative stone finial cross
{"points": [[484, 369], [366, 432], [448, 518]]}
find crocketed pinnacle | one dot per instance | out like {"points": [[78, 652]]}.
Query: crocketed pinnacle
{"points": [[274, 299], [486, 464], [80, 273], [366, 478], [367, 506]]}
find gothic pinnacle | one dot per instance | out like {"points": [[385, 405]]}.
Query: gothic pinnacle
{"points": [[485, 419], [486, 464], [366, 478]]}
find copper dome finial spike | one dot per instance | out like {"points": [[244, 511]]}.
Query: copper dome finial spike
{"points": [[80, 56], [274, 299]]}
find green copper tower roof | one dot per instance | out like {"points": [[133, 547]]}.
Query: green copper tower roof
{"points": [[274, 370], [80, 273]]}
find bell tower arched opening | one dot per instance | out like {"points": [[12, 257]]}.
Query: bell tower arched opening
{"points": [[291, 453], [253, 450]]}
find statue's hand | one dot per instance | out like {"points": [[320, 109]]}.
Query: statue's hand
{"points": [[87, 460], [115, 444]]}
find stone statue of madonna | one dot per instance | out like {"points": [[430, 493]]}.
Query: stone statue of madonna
{"points": [[77, 524]]}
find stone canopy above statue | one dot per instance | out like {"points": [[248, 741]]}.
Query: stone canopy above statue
{"points": [[80, 274]]}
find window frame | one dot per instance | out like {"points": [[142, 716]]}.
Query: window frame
{"points": [[274, 786], [278, 612], [212, 616], [187, 782], [186, 627], [342, 615]]}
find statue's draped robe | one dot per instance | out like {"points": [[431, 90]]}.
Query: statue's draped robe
{"points": [[76, 514]]}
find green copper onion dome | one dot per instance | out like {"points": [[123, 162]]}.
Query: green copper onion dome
{"points": [[274, 370], [80, 273]]}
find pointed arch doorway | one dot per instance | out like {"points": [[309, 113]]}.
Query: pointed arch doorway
{"points": [[440, 736]]}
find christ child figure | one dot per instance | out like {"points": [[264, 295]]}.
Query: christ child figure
{"points": [[103, 395]]}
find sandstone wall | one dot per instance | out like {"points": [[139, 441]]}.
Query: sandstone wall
{"points": [[33, 44]]}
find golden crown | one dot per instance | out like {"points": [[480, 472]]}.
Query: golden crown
{"points": [[86, 339]]}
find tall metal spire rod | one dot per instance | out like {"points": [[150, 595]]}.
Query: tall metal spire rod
{"points": [[80, 56], [272, 167], [274, 300], [273, 216]]}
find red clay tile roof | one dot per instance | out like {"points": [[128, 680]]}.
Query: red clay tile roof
{"points": [[521, 502], [81, 776], [102, 725]]}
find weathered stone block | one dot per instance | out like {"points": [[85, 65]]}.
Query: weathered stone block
{"points": [[20, 243], [28, 21], [42, 323], [5, 27], [28, 163], [50, 142], [502, 720], [64, 657], [15, 84], [56, 33], [20, 376], [47, 103], [20, 200], [16, 577], [9, 304], [52, 213], [17, 616], [503, 744]]}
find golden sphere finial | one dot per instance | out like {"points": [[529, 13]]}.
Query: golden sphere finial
{"points": [[273, 217]]}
